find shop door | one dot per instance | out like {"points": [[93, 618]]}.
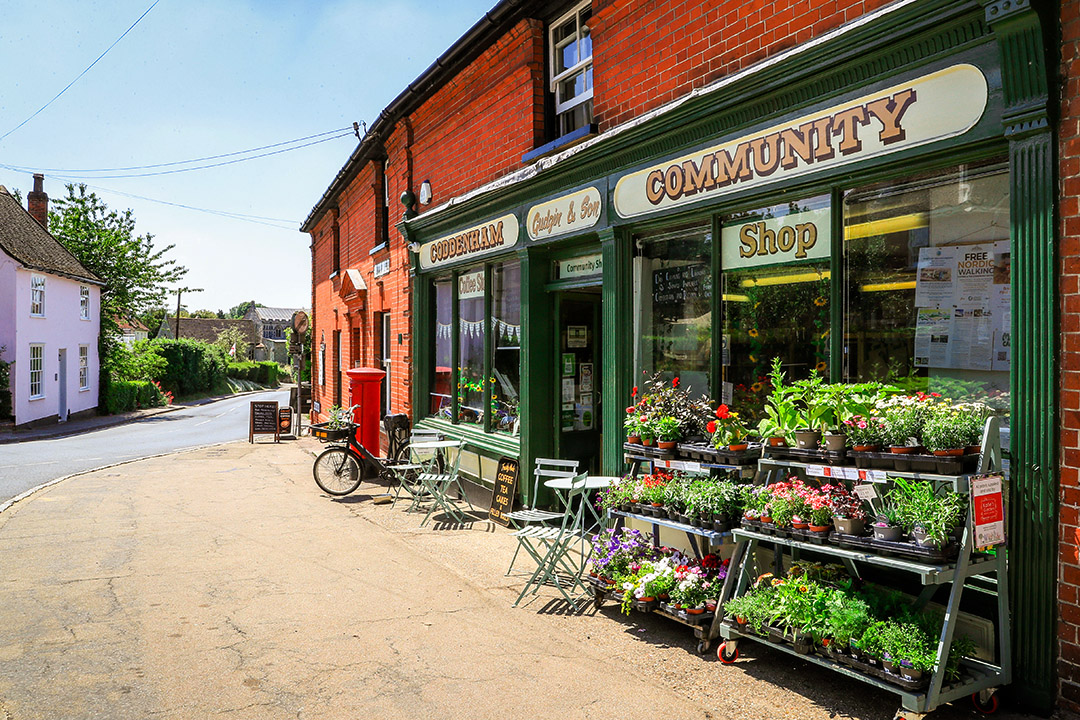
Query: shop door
{"points": [[578, 369]]}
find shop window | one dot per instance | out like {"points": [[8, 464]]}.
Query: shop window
{"points": [[927, 283], [443, 313], [505, 345], [775, 279], [471, 336], [571, 68], [673, 294]]}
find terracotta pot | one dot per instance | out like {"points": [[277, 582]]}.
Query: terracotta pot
{"points": [[738, 447], [800, 525], [901, 449], [647, 599], [973, 449], [694, 611], [633, 439], [866, 448], [765, 518], [820, 528], [777, 441], [667, 444], [951, 452], [648, 441]]}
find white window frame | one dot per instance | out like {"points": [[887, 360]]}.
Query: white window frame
{"points": [[37, 296], [84, 368], [581, 65], [322, 364], [39, 372], [84, 302]]}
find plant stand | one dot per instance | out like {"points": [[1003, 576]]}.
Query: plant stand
{"points": [[971, 568]]}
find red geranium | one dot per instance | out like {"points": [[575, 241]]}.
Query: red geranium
{"points": [[633, 393], [711, 426], [630, 410], [675, 382], [722, 412]]}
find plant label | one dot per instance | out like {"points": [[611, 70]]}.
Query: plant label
{"points": [[866, 492], [988, 511]]}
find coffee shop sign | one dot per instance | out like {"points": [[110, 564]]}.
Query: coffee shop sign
{"points": [[576, 211]]}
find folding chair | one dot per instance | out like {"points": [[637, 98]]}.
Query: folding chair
{"points": [[439, 484], [419, 462], [546, 469], [556, 543]]}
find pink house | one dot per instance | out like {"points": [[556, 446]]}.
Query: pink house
{"points": [[49, 316]]}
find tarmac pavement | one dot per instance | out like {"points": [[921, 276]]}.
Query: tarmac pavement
{"points": [[222, 582]]}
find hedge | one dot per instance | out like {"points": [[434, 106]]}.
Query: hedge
{"points": [[263, 373], [192, 367], [119, 396]]}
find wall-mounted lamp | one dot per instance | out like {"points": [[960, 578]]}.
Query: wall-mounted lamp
{"points": [[414, 247], [425, 192]]}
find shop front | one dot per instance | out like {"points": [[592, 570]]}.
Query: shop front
{"points": [[860, 222]]}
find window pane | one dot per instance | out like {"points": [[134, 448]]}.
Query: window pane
{"points": [[471, 321], [673, 294], [574, 85], [775, 297], [585, 42], [506, 345], [566, 56], [927, 288], [440, 386]]}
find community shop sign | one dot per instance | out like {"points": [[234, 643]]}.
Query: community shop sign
{"points": [[770, 241], [933, 107], [565, 214], [482, 239]]}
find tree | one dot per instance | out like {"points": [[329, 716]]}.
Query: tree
{"points": [[240, 310], [233, 337], [136, 274]]}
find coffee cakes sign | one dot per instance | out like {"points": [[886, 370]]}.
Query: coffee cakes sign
{"points": [[933, 107], [566, 214], [483, 239]]}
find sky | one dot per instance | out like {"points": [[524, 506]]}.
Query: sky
{"points": [[198, 78]]}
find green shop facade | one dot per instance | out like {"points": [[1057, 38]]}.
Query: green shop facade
{"points": [[875, 206]]}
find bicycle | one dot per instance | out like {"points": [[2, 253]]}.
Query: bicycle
{"points": [[340, 469]]}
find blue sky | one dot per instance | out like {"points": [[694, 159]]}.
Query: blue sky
{"points": [[198, 78]]}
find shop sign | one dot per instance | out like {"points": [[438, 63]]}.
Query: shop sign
{"points": [[566, 214], [581, 266], [381, 268], [471, 285], [770, 241], [934, 107], [483, 239]]}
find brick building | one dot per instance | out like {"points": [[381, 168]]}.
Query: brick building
{"points": [[602, 189]]}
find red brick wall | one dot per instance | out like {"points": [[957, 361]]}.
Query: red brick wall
{"points": [[646, 54], [1069, 230]]}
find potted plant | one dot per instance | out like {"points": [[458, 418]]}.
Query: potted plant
{"points": [[944, 432], [652, 493], [632, 425], [864, 433], [781, 414], [902, 424], [887, 525], [847, 511], [813, 411], [728, 430], [668, 432], [836, 396], [647, 429], [821, 511], [928, 513]]}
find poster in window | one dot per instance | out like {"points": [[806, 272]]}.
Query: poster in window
{"points": [[568, 360], [934, 280], [577, 336], [586, 378], [568, 390], [583, 419]]}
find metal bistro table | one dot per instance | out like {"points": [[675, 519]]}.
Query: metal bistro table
{"points": [[592, 483]]}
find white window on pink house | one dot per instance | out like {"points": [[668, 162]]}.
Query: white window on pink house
{"points": [[37, 371], [84, 302], [84, 368], [37, 295]]}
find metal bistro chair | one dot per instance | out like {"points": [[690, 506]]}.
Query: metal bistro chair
{"points": [[559, 541], [439, 484], [418, 462], [546, 469]]}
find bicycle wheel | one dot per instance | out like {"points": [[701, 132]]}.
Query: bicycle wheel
{"points": [[337, 472]]}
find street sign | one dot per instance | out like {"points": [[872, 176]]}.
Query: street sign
{"points": [[299, 323], [263, 420], [502, 496]]}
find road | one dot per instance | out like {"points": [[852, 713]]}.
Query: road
{"points": [[26, 465]]}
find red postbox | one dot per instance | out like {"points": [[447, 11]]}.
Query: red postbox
{"points": [[365, 390]]}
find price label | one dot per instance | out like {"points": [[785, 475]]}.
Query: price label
{"points": [[818, 470], [988, 510], [692, 466], [866, 492], [877, 476]]}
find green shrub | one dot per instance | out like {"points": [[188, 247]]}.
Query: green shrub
{"points": [[191, 366], [118, 396], [263, 373]]}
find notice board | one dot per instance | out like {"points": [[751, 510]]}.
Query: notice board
{"points": [[264, 421], [502, 496]]}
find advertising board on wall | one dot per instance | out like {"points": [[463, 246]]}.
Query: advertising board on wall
{"points": [[483, 239]]}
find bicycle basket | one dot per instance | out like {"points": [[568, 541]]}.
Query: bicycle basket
{"points": [[321, 431]]}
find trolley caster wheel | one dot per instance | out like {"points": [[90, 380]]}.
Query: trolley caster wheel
{"points": [[726, 657], [986, 707], [703, 647]]}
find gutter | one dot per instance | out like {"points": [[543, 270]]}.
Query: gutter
{"points": [[463, 51]]}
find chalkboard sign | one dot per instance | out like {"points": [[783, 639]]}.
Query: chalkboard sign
{"points": [[285, 420], [264, 421], [502, 497], [679, 286]]}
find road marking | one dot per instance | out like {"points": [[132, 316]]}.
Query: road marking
{"points": [[47, 462]]}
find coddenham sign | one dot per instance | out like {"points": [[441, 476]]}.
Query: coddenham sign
{"points": [[933, 107], [790, 238], [482, 239]]}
